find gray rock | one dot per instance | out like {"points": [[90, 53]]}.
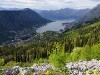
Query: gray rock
{"points": [[78, 68], [11, 71], [35, 69]]}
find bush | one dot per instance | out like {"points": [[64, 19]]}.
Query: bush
{"points": [[41, 60], [75, 55], [85, 53], [23, 64], [81, 53], [95, 52], [1, 62], [10, 64], [58, 60]]}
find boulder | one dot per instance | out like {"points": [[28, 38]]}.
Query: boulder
{"points": [[79, 68]]}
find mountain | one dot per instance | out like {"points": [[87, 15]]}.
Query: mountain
{"points": [[37, 10], [94, 13], [57, 49], [61, 14], [66, 13], [19, 24], [19, 19], [2, 8]]}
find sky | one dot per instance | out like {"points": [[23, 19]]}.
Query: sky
{"points": [[49, 4]]}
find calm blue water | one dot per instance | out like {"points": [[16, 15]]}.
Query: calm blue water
{"points": [[53, 26]]}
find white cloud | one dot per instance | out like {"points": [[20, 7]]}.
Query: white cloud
{"points": [[48, 4]]}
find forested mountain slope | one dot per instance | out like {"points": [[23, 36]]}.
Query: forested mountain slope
{"points": [[94, 13], [51, 43]]}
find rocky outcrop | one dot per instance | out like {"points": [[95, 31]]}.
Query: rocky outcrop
{"points": [[79, 68], [11, 71], [74, 68], [33, 70]]}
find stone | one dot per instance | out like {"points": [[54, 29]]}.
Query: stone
{"points": [[34, 70], [11, 71], [79, 68]]}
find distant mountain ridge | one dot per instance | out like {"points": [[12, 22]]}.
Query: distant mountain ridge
{"points": [[94, 13], [1, 8], [66, 13], [60, 14]]}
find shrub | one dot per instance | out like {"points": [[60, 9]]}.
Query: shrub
{"points": [[1, 62], [75, 55], [95, 52], [58, 60], [10, 64], [81, 53], [85, 53]]}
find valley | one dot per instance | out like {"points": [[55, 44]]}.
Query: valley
{"points": [[40, 44], [27, 33], [25, 23], [19, 23]]}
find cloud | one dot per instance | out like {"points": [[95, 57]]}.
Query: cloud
{"points": [[49, 4], [96, 0]]}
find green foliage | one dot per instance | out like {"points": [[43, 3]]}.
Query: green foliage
{"points": [[75, 55], [23, 64], [48, 72], [41, 60], [13, 63], [84, 55], [95, 51], [77, 44], [10, 64], [1, 62], [58, 60]]}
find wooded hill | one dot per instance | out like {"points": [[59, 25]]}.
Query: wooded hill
{"points": [[75, 44]]}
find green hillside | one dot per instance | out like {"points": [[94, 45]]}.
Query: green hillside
{"points": [[76, 44]]}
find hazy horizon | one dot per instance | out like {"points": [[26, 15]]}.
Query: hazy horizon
{"points": [[49, 5]]}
